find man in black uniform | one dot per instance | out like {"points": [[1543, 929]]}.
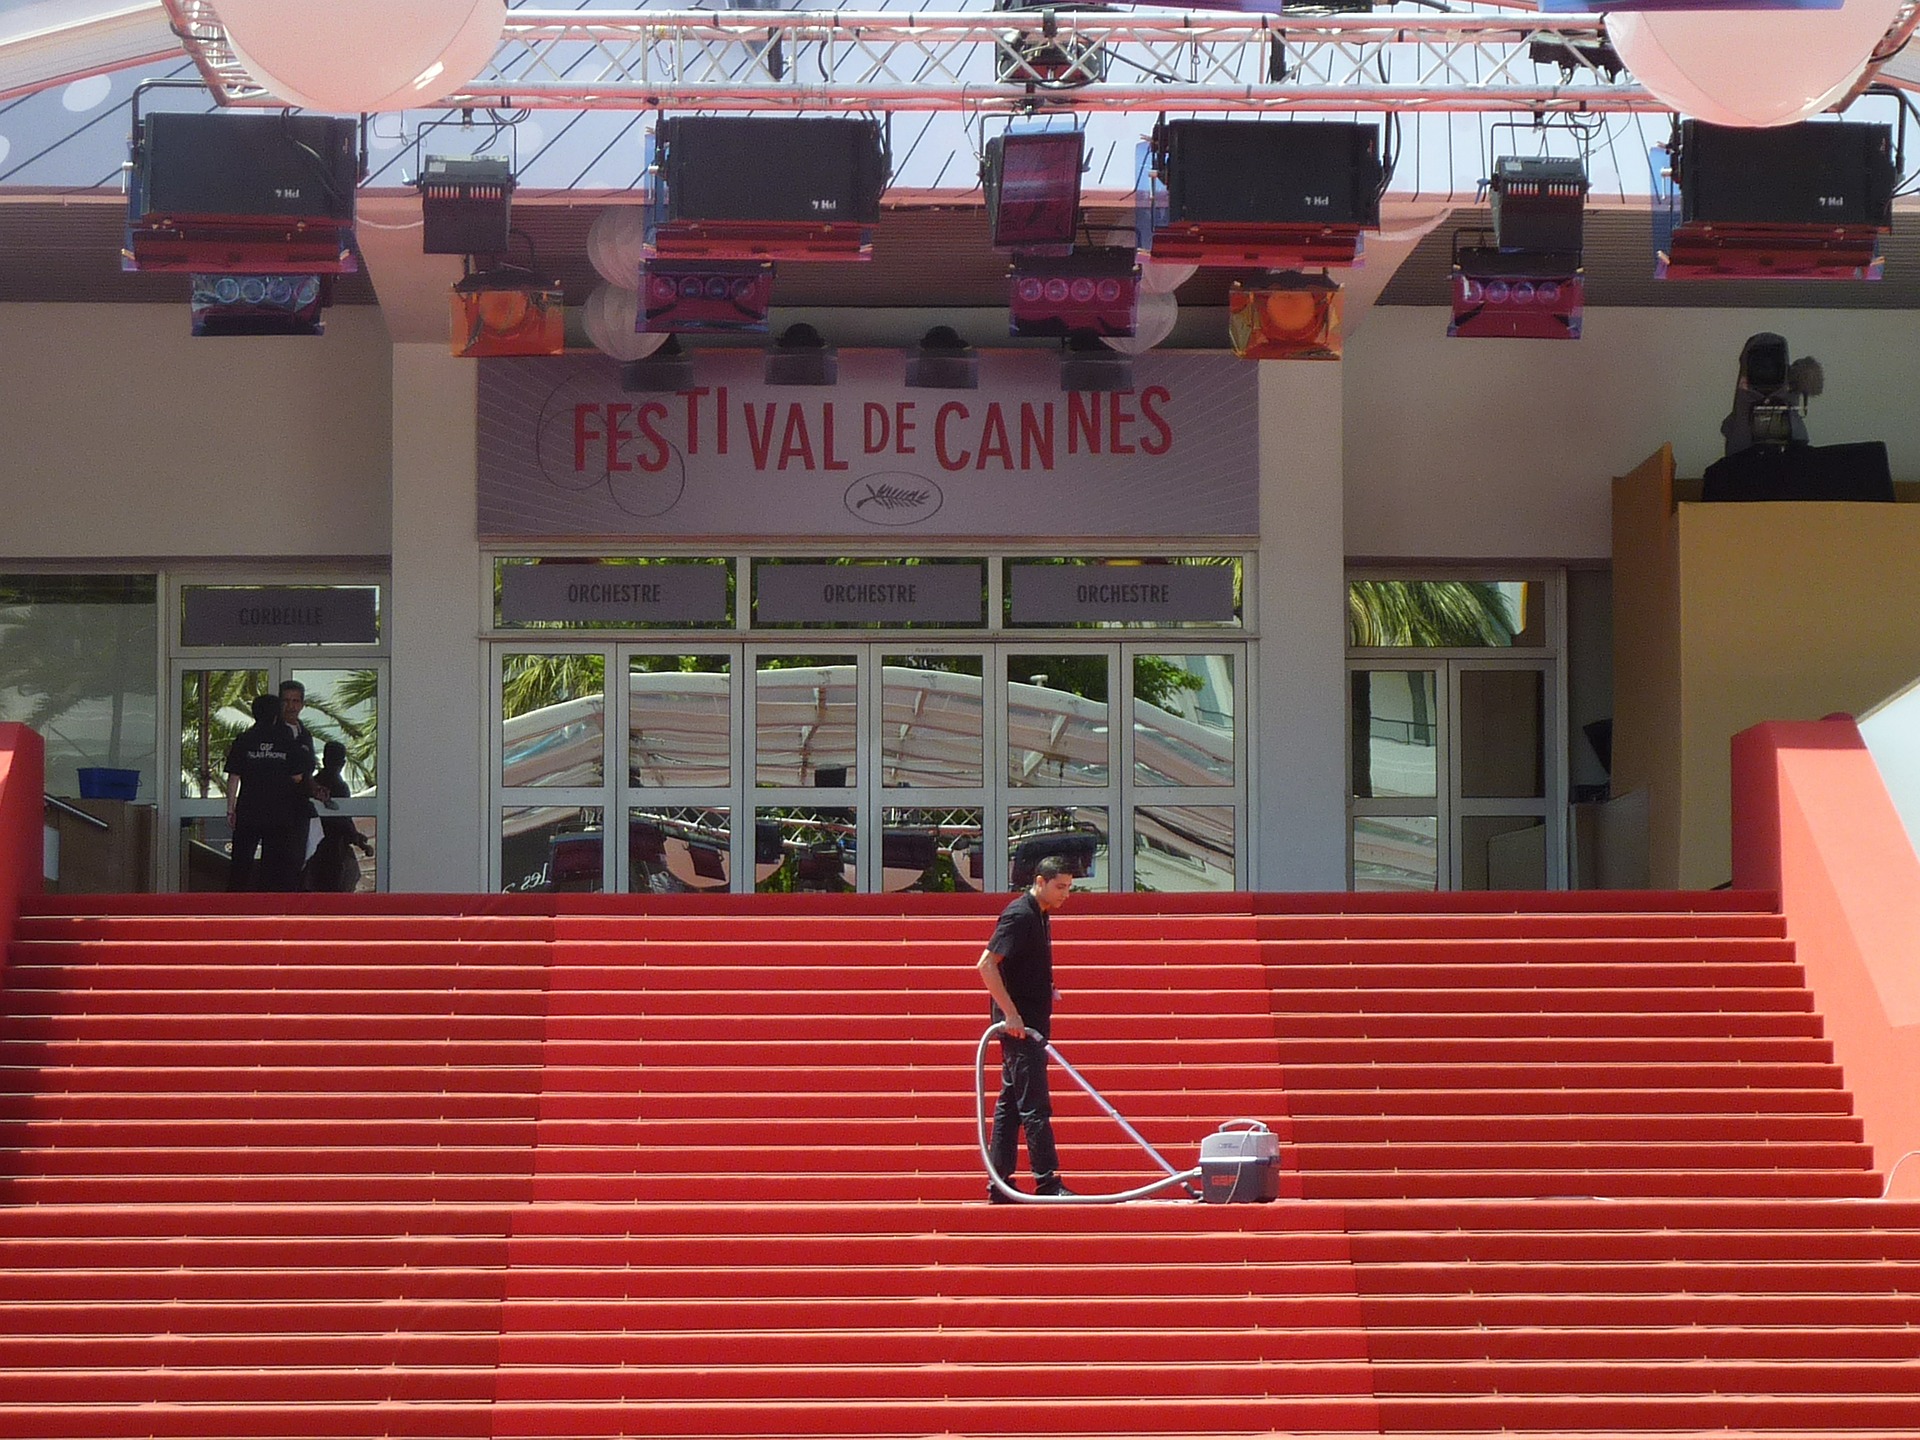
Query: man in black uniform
{"points": [[1017, 968], [266, 778]]}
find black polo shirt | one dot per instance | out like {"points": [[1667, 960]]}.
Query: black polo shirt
{"points": [[1025, 947]]}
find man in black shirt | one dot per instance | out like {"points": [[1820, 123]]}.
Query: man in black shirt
{"points": [[266, 779], [1017, 969]]}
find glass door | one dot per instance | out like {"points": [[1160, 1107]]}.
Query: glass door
{"points": [[872, 766], [212, 705], [1059, 759], [678, 779], [809, 771], [931, 769], [1451, 784]]}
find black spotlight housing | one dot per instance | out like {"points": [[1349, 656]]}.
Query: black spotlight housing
{"points": [[1087, 363], [466, 204], [801, 356], [666, 370], [943, 361]]}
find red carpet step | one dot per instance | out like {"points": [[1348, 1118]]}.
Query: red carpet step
{"points": [[511, 1167]]}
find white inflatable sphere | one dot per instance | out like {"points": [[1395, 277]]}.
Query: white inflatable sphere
{"points": [[349, 56], [1750, 68]]}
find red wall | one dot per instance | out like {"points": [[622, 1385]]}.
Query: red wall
{"points": [[22, 763], [1812, 819]]}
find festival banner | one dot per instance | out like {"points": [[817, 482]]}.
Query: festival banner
{"points": [[565, 453]]}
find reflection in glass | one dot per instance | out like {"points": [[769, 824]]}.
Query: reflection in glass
{"points": [[1396, 734], [1183, 719], [1183, 847], [679, 720], [551, 847], [679, 850], [930, 721], [1446, 614], [553, 712], [216, 707], [804, 714], [933, 850], [800, 849], [76, 663], [1076, 833], [1396, 852], [1057, 719], [344, 705], [1502, 734], [206, 849], [1503, 852]]}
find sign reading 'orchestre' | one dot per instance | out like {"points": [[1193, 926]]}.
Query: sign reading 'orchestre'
{"points": [[685, 594], [1077, 594], [563, 451], [870, 594]]}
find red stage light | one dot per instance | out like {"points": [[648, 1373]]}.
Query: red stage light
{"points": [[1293, 317]]}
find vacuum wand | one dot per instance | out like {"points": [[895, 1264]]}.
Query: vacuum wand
{"points": [[1173, 1177]]}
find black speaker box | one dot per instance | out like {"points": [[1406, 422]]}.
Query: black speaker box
{"points": [[729, 167], [1802, 472], [253, 166], [1813, 173], [1294, 172]]}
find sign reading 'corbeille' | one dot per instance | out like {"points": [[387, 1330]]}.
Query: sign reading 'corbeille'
{"points": [[280, 615]]}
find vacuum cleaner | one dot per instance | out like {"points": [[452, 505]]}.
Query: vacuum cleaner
{"points": [[1239, 1162]]}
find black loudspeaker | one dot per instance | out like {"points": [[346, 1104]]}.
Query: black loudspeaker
{"points": [[229, 167], [1295, 172], [730, 167], [1802, 472], [1539, 203], [1813, 173]]}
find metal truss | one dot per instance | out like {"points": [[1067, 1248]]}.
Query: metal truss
{"points": [[1015, 62]]}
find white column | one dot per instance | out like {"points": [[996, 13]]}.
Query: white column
{"points": [[1300, 817], [436, 708]]}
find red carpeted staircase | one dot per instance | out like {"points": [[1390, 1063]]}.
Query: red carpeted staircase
{"points": [[712, 1172]]}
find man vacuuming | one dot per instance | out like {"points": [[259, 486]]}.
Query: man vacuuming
{"points": [[1017, 969]]}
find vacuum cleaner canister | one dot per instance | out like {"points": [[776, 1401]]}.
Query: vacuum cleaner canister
{"points": [[1240, 1162]]}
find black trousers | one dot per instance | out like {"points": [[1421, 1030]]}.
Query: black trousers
{"points": [[1024, 1101], [282, 845]]}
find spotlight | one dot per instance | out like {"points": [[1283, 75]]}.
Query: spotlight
{"points": [[667, 370], [1285, 317], [1086, 363], [1515, 294], [260, 304], [1047, 59], [465, 205], [802, 357], [507, 312], [1539, 203], [1093, 292], [943, 361], [1770, 395], [1032, 184], [707, 296], [1571, 58]]}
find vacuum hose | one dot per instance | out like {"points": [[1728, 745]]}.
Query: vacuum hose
{"points": [[1173, 1177]]}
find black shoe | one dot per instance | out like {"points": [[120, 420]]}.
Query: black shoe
{"points": [[1055, 1190], [994, 1197]]}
